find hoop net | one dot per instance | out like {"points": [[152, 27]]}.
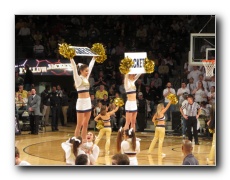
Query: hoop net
{"points": [[209, 66]]}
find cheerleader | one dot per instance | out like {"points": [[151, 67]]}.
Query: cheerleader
{"points": [[131, 103], [72, 149], [83, 105], [159, 116], [105, 116], [90, 148], [130, 144]]}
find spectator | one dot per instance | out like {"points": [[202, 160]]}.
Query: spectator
{"points": [[180, 92], [142, 112], [55, 104], [82, 159], [37, 36], [65, 106], [169, 90], [93, 33], [194, 74], [28, 79], [97, 108], [212, 95], [18, 81], [18, 160], [211, 83], [100, 93], [120, 159], [201, 79], [100, 80], [23, 92], [191, 85], [200, 93], [45, 104], [189, 158], [33, 107], [105, 101], [39, 50]]}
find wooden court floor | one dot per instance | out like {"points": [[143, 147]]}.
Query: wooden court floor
{"points": [[45, 149]]}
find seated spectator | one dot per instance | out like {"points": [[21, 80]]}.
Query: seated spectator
{"points": [[105, 101], [37, 36], [201, 78], [97, 109], [191, 85], [100, 80], [100, 93], [20, 102], [23, 92], [120, 159], [189, 158], [18, 81], [18, 160], [39, 50], [82, 159], [212, 95]]}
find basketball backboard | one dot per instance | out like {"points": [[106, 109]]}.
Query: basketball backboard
{"points": [[202, 47]]}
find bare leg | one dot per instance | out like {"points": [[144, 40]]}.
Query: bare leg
{"points": [[133, 120], [128, 117], [80, 119], [85, 125]]}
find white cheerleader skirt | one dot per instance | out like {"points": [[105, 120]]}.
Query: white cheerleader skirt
{"points": [[83, 105], [131, 106], [133, 161]]}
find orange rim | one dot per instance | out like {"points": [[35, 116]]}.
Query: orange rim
{"points": [[210, 61]]}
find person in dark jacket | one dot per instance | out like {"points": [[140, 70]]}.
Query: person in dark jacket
{"points": [[55, 103], [28, 79]]}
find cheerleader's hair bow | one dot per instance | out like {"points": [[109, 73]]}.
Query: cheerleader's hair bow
{"points": [[79, 64], [75, 139], [130, 131]]}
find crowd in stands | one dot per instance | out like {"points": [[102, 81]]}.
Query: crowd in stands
{"points": [[164, 38]]}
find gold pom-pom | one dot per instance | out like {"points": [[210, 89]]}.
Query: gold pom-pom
{"points": [[125, 65], [155, 123], [118, 102], [211, 131], [173, 98], [149, 65], [66, 51], [100, 124], [100, 50]]}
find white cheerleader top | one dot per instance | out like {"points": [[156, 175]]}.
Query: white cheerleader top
{"points": [[129, 85], [126, 146], [81, 83]]}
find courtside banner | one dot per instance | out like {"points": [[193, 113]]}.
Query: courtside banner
{"points": [[83, 51], [138, 59]]}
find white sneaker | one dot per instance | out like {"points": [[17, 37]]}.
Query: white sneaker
{"points": [[163, 155]]}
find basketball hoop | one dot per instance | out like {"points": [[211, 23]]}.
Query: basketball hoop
{"points": [[209, 66]]}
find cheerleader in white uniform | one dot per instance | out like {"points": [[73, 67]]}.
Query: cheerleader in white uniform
{"points": [[91, 148], [131, 103], [130, 144], [83, 105], [72, 149]]}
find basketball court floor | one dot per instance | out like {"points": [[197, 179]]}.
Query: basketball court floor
{"points": [[45, 149]]}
